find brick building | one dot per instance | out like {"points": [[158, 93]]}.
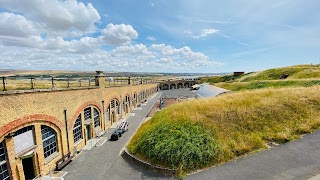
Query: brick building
{"points": [[38, 129]]}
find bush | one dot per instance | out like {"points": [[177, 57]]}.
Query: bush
{"points": [[175, 144]]}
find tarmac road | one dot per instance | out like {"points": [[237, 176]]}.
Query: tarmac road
{"points": [[298, 159]]}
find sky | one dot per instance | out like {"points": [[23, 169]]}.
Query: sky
{"points": [[208, 36]]}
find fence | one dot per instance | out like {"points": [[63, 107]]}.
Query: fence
{"points": [[21, 83]]}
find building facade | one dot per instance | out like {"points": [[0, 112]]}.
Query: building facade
{"points": [[39, 129]]}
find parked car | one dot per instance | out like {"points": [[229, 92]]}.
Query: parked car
{"points": [[116, 134], [195, 87]]}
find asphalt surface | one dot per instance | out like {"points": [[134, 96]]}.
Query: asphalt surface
{"points": [[298, 159], [174, 93], [106, 162]]}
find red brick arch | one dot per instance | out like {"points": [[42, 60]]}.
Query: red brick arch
{"points": [[109, 101], [81, 108], [29, 119]]}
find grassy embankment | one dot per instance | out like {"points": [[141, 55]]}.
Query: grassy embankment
{"points": [[200, 133], [299, 76]]}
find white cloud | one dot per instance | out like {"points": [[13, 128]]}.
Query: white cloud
{"points": [[55, 16], [204, 33], [16, 25], [151, 38], [118, 34], [156, 58]]}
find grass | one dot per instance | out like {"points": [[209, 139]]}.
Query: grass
{"points": [[239, 86], [226, 127], [294, 72]]}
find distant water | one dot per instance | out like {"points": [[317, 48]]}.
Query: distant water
{"points": [[207, 90]]}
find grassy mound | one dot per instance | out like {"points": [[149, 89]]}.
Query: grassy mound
{"points": [[201, 133], [238, 86], [294, 72]]}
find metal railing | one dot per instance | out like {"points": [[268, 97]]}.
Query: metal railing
{"points": [[9, 83], [17, 83]]}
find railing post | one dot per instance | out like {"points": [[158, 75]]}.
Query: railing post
{"points": [[68, 82], [80, 82], [3, 83], [129, 80], [52, 83], [89, 82], [32, 85]]}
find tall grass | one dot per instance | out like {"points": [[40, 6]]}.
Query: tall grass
{"points": [[226, 127], [239, 86]]}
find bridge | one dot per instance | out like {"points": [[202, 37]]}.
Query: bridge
{"points": [[41, 129]]}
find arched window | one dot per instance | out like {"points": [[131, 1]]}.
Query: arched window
{"points": [[4, 171], [117, 107], [87, 113], [49, 141], [108, 114], [96, 117], [77, 130]]}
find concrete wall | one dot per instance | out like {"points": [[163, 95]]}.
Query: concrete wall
{"points": [[54, 109]]}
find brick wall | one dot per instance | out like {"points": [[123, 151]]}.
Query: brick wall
{"points": [[53, 109]]}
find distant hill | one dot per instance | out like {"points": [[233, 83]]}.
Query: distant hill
{"points": [[293, 72], [295, 76]]}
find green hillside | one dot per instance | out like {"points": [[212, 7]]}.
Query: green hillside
{"points": [[200, 133], [298, 76]]}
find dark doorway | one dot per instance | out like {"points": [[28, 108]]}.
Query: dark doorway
{"points": [[88, 132], [28, 168]]}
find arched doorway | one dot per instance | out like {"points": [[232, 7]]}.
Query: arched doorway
{"points": [[165, 87], [113, 111]]}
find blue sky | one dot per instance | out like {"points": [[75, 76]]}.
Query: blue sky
{"points": [[159, 36]]}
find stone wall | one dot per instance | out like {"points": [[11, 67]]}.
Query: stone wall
{"points": [[59, 110]]}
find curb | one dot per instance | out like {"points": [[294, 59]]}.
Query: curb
{"points": [[163, 170]]}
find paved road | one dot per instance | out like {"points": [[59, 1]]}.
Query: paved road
{"points": [[105, 162], [174, 93], [299, 159]]}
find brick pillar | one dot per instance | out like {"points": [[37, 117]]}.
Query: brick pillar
{"points": [[100, 79]]}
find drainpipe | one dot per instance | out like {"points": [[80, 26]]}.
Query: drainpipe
{"points": [[66, 121], [103, 121]]}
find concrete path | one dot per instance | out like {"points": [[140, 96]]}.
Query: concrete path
{"points": [[298, 159], [105, 162]]}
